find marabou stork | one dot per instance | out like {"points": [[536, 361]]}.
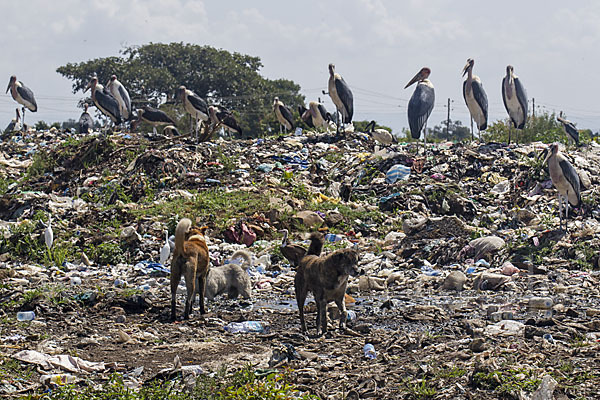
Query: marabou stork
{"points": [[341, 95], [420, 104], [194, 105], [225, 117], [316, 116], [515, 99], [565, 179], [570, 129], [380, 135], [22, 95], [283, 114], [86, 123], [119, 92], [170, 130], [475, 96], [15, 123], [105, 101], [153, 116]]}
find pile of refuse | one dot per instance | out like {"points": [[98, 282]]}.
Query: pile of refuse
{"points": [[470, 289]]}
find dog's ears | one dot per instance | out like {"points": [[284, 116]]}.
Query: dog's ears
{"points": [[203, 229]]}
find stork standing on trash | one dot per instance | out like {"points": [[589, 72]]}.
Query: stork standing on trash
{"points": [[515, 100], [475, 97], [420, 104], [195, 105], [22, 95], [569, 128], [341, 95], [283, 114], [105, 101], [119, 92], [565, 179]]}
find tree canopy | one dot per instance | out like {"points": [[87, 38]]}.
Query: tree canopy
{"points": [[152, 72]]}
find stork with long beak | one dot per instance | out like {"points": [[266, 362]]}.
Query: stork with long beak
{"points": [[119, 92], [565, 179], [475, 97], [341, 95], [195, 105], [569, 128], [420, 104], [22, 95], [104, 101], [283, 114], [515, 99]]}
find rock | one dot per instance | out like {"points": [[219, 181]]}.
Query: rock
{"points": [[455, 281], [546, 389], [309, 218]]}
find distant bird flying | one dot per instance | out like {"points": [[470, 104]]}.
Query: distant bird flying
{"points": [[22, 95], [475, 96], [283, 114], [565, 179], [420, 104], [86, 123], [570, 129], [152, 116], [515, 99], [105, 101], [194, 105], [119, 92], [341, 95], [380, 135]]}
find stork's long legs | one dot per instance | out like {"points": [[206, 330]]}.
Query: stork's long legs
{"points": [[567, 211], [23, 120]]}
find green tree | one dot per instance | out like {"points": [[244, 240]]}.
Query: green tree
{"points": [[543, 128], [456, 132], [152, 72]]}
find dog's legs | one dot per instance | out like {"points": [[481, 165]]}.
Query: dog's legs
{"points": [[190, 284], [201, 290], [300, 299], [323, 315], [175, 278], [318, 303], [343, 313]]}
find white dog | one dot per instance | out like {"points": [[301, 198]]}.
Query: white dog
{"points": [[231, 278]]}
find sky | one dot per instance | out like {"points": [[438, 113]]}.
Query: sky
{"points": [[376, 45]]}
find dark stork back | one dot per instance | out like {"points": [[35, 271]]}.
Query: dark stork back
{"points": [[419, 108]]}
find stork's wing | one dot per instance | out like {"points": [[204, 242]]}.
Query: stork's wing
{"points": [[156, 115], [573, 178], [504, 95], [86, 123], [287, 114], [110, 104], [571, 130], [229, 121], [481, 99], [522, 96], [323, 112], [419, 109], [199, 103], [345, 94], [27, 95], [125, 97]]}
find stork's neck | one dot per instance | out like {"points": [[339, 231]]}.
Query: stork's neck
{"points": [[509, 85]]}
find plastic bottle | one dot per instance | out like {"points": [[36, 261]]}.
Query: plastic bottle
{"points": [[350, 315], [25, 315], [244, 327], [75, 280], [369, 351], [330, 237], [540, 303]]}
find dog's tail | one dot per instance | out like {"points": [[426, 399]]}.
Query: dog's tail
{"points": [[182, 229], [316, 244], [245, 255]]}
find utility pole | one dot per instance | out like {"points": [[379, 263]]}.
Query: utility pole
{"points": [[448, 121], [533, 111]]}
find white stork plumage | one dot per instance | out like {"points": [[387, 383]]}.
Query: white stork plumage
{"points": [[283, 114], [341, 95], [380, 135], [225, 117], [420, 104], [86, 123], [119, 92], [105, 101], [475, 96], [515, 99], [569, 128], [152, 116], [565, 179], [22, 95], [194, 105]]}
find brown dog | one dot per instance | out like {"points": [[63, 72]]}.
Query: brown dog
{"points": [[190, 258], [326, 277]]}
